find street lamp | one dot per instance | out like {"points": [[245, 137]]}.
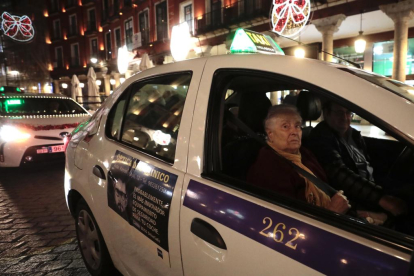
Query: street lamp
{"points": [[360, 43]]}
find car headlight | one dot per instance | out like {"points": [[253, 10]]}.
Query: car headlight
{"points": [[11, 133]]}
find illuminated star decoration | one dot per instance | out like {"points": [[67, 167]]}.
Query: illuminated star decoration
{"points": [[290, 16], [16, 27]]}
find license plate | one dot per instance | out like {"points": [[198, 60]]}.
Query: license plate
{"points": [[44, 150], [60, 148]]}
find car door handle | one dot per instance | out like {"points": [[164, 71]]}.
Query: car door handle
{"points": [[99, 172], [208, 233]]}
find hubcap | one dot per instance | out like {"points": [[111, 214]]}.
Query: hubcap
{"points": [[89, 240]]}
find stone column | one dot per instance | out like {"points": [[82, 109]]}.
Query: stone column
{"points": [[117, 81], [400, 13], [107, 84], [328, 26], [56, 87]]}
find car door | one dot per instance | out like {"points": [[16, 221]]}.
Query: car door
{"points": [[228, 227], [142, 149]]}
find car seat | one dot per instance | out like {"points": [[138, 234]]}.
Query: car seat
{"points": [[239, 154], [310, 108]]}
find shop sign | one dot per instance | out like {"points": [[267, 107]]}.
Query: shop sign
{"points": [[289, 17], [246, 41]]}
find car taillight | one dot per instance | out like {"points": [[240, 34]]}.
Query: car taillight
{"points": [[66, 140]]}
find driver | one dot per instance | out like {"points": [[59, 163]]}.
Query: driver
{"points": [[341, 150]]}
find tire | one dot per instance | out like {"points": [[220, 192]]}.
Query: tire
{"points": [[91, 243]]}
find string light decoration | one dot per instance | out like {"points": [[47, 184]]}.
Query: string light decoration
{"points": [[289, 17], [18, 28]]}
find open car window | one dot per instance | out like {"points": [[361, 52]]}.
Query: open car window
{"points": [[247, 96]]}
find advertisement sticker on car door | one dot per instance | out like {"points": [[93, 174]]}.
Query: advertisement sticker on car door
{"points": [[141, 194]]}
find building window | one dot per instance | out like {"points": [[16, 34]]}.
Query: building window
{"points": [[186, 14], [58, 58], [144, 27], [91, 20], [94, 48], [105, 10], [56, 29], [115, 7], [118, 38], [127, 3], [383, 57], [129, 33], [161, 17], [108, 45], [73, 28], [74, 55], [54, 6]]}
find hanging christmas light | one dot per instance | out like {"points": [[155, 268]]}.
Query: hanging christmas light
{"points": [[16, 27], [289, 17]]}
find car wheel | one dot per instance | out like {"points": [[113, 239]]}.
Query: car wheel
{"points": [[91, 243]]}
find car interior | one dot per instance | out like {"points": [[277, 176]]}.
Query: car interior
{"points": [[246, 102]]}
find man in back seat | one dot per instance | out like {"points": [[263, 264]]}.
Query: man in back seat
{"points": [[341, 150]]}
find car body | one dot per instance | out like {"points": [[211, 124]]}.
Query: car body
{"points": [[33, 126], [177, 203]]}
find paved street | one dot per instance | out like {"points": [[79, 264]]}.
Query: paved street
{"points": [[37, 233]]}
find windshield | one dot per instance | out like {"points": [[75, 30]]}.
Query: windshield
{"points": [[17, 106], [404, 90]]}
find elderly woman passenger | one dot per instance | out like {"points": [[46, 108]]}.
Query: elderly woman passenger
{"points": [[270, 171]]}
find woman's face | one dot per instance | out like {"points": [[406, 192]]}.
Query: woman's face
{"points": [[285, 133]]}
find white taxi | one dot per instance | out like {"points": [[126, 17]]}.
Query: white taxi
{"points": [[33, 127], [156, 179]]}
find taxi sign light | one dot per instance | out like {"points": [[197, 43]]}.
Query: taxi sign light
{"points": [[14, 102], [246, 41]]}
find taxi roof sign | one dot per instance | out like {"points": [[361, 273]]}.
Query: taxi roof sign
{"points": [[246, 41]]}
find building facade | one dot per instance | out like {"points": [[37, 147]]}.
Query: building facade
{"points": [[90, 33]]}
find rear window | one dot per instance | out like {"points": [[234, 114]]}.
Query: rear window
{"points": [[11, 106]]}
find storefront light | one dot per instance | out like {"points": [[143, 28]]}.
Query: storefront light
{"points": [[94, 60], [81, 85], [98, 82], [360, 44], [180, 41], [64, 85], [378, 50], [299, 52], [112, 81]]}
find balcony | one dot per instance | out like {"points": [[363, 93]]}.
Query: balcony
{"points": [[73, 31], [162, 32], [56, 36], [88, 2], [57, 64], [91, 28], [104, 17], [233, 15], [145, 38], [75, 62]]}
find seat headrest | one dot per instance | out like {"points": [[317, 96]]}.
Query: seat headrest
{"points": [[309, 106], [253, 110]]}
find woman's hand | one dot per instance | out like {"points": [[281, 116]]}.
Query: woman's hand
{"points": [[339, 203]]}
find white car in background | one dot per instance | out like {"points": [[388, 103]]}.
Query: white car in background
{"points": [[33, 127], [156, 179]]}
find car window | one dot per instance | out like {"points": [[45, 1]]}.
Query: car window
{"points": [[243, 100], [17, 106], [151, 117]]}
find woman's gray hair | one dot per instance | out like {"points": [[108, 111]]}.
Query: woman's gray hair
{"points": [[277, 110]]}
